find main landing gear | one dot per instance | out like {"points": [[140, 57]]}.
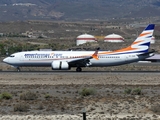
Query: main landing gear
{"points": [[78, 69]]}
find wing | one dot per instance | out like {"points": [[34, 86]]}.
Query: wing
{"points": [[85, 61]]}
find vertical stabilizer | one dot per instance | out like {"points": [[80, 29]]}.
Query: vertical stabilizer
{"points": [[142, 43]]}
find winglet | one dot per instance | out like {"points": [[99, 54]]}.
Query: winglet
{"points": [[95, 54]]}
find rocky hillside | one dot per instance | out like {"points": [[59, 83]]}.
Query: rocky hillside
{"points": [[11, 10]]}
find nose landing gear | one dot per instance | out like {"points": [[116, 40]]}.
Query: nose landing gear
{"points": [[78, 69], [18, 69]]}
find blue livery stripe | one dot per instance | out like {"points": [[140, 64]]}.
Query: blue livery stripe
{"points": [[142, 51], [149, 37], [145, 44]]}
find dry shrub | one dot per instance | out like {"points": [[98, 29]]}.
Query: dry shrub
{"points": [[28, 96], [21, 107], [40, 107], [155, 108]]}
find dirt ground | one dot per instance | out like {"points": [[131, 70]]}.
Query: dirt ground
{"points": [[53, 96]]}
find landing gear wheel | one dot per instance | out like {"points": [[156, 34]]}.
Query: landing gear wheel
{"points": [[78, 69], [18, 69]]}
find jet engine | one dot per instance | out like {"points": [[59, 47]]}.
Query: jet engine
{"points": [[60, 65], [88, 64]]}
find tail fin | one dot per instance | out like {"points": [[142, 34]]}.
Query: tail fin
{"points": [[139, 46], [142, 43]]}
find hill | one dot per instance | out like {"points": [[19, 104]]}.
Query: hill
{"points": [[11, 10]]}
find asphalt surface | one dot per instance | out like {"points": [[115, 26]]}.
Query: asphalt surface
{"points": [[83, 72]]}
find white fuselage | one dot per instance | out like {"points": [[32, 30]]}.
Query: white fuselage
{"points": [[45, 58]]}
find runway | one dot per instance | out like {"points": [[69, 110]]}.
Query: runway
{"points": [[83, 72], [85, 77], [133, 68]]}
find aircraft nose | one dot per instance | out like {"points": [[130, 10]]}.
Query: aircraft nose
{"points": [[5, 60]]}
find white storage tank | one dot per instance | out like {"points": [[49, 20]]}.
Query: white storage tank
{"points": [[84, 38], [113, 38]]}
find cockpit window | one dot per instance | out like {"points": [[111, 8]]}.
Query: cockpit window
{"points": [[11, 56]]}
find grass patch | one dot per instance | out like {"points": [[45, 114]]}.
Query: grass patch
{"points": [[128, 91], [47, 96], [136, 91], [87, 91], [5, 95]]}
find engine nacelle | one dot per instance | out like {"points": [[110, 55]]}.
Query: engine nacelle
{"points": [[88, 64], [60, 65]]}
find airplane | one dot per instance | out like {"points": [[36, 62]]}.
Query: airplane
{"points": [[65, 60]]}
